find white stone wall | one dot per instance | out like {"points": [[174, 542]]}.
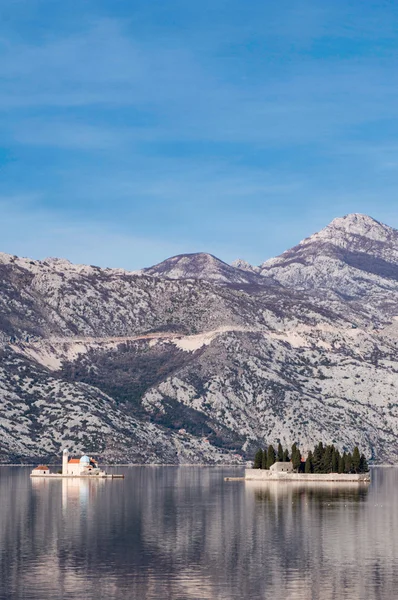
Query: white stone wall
{"points": [[263, 475], [75, 469], [280, 467]]}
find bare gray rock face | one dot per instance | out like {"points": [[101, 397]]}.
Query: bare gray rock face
{"points": [[197, 361], [242, 264], [204, 266], [355, 258]]}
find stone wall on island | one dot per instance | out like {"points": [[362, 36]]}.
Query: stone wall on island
{"points": [[264, 475]]}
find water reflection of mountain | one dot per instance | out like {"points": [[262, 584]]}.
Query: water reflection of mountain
{"points": [[185, 533]]}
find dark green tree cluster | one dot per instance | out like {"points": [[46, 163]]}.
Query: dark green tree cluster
{"points": [[264, 459], [328, 459], [323, 459]]}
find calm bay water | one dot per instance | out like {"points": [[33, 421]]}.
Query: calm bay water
{"points": [[184, 533]]}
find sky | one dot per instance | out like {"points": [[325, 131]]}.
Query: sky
{"points": [[131, 131]]}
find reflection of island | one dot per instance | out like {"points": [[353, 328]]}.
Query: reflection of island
{"points": [[75, 493], [310, 491], [80, 491]]}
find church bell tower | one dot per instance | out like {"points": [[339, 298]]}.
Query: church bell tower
{"points": [[65, 456]]}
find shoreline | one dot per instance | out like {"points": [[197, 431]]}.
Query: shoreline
{"points": [[229, 465], [266, 475], [111, 465], [60, 476]]}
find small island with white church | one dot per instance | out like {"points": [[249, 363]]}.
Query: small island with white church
{"points": [[85, 466], [324, 463]]}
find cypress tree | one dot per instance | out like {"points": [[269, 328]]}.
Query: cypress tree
{"points": [[286, 457], [341, 463], [308, 463], [348, 463], [356, 460], [293, 454], [364, 468], [296, 457], [318, 456], [280, 452], [271, 456], [265, 458], [326, 462], [335, 460], [258, 459]]}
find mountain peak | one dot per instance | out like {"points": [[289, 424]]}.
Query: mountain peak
{"points": [[353, 225], [201, 265], [242, 264], [354, 232], [354, 257], [355, 219]]}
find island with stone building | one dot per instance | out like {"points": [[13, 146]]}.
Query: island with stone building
{"points": [[323, 463], [85, 466]]}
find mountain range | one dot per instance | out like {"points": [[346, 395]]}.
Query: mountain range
{"points": [[197, 361]]}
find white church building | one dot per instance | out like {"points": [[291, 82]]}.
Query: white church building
{"points": [[85, 466], [71, 467], [79, 466]]}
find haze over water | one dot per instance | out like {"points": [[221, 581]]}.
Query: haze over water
{"points": [[184, 533]]}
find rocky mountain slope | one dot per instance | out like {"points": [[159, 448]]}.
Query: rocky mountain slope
{"points": [[207, 267], [194, 360], [354, 259]]}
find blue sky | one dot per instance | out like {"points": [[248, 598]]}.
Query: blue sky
{"points": [[135, 130]]}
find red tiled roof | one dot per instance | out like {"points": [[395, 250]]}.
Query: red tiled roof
{"points": [[74, 461], [41, 468]]}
